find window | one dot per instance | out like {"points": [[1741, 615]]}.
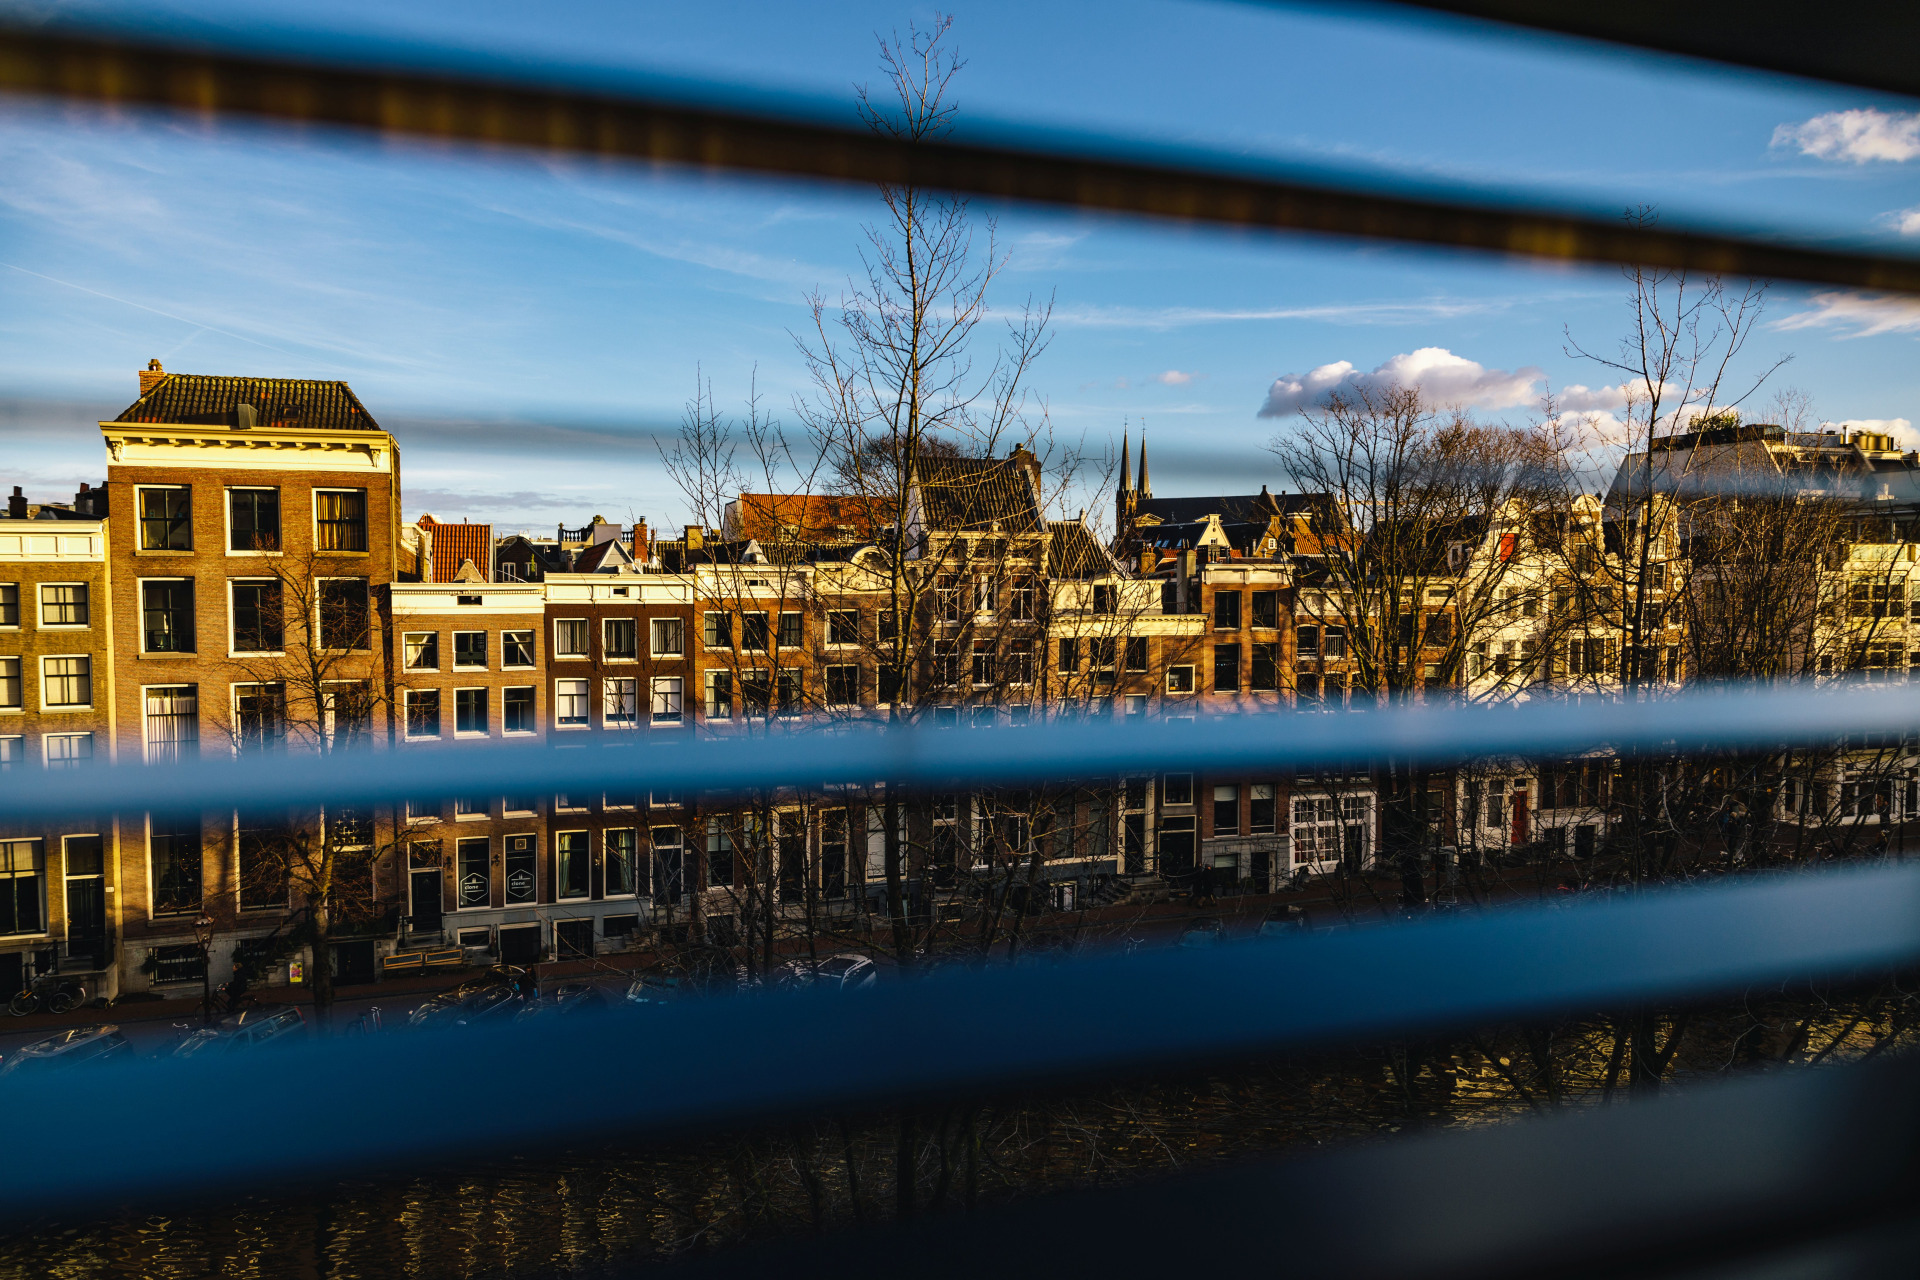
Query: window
{"points": [[519, 804], [422, 810], [1019, 662], [1069, 656], [620, 702], [790, 694], [1134, 704], [64, 604], [570, 704], [476, 808], [470, 649], [1106, 599], [1265, 675], [1333, 643], [421, 650], [753, 632], [66, 682], [1176, 789], [790, 630], [570, 638], [13, 752], [344, 615], [717, 630], [1020, 597], [1170, 597], [1266, 609], [719, 856], [946, 600], [946, 664], [9, 604], [719, 695], [423, 713], [340, 519], [253, 519], [571, 848], [1226, 811], [622, 844], [1136, 653], [1226, 668], [23, 876], [166, 519], [1261, 810], [262, 864], [516, 709], [171, 722], [619, 639], [982, 663], [470, 711], [1226, 611], [669, 637], [888, 621], [166, 615], [843, 626], [516, 648], [173, 850], [1100, 652], [522, 873], [67, 750], [1307, 642], [843, 686], [667, 694], [470, 865], [12, 695], [260, 715], [259, 622]]}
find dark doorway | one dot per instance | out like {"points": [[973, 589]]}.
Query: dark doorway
{"points": [[1520, 825], [1176, 847], [573, 939], [427, 916], [353, 962], [1583, 841], [521, 946], [793, 868], [13, 974]]}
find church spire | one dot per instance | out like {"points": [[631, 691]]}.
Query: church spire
{"points": [[1146, 485], [1126, 463]]}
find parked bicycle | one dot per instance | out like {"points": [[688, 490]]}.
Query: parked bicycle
{"points": [[51, 993]]}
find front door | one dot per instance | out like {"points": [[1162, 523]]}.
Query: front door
{"points": [[1519, 816], [353, 961], [426, 901]]}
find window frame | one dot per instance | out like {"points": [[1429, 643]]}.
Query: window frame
{"points": [[486, 712], [607, 626], [140, 519], [533, 710], [406, 641], [516, 637], [85, 604], [6, 606], [279, 525], [838, 627], [233, 618], [676, 624], [192, 630], [609, 686], [585, 694], [486, 651], [317, 622], [408, 715], [50, 707], [365, 522], [586, 640], [70, 762], [18, 680], [656, 688]]}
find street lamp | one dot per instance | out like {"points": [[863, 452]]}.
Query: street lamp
{"points": [[203, 934]]}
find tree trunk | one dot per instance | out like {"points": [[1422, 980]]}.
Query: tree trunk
{"points": [[322, 976]]}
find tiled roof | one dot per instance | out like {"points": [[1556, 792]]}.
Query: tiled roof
{"points": [[1073, 551], [456, 543], [973, 493], [202, 400], [818, 517], [1242, 509]]}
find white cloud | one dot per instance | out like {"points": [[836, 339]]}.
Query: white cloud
{"points": [[1905, 221], [1173, 378], [1867, 314], [1899, 428], [1445, 378], [1859, 135]]}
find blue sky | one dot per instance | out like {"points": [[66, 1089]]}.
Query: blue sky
{"points": [[530, 327]]}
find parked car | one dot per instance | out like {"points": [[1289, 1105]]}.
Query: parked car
{"points": [[1204, 933], [565, 1000], [467, 1004], [281, 1024], [76, 1046], [657, 988], [838, 973], [1282, 922]]}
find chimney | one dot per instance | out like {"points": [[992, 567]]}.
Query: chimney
{"points": [[151, 376], [17, 505], [600, 531], [245, 417], [1149, 560], [696, 537]]}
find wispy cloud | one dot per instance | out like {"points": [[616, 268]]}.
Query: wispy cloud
{"points": [[1905, 221], [1173, 378], [1866, 315], [1361, 313], [1442, 375], [1861, 135]]}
